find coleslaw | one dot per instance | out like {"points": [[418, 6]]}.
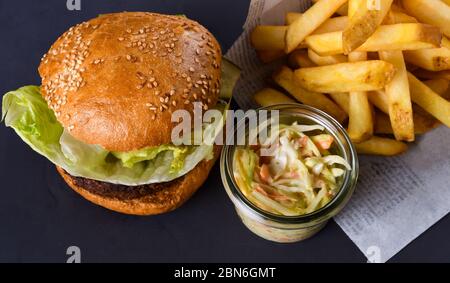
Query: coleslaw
{"points": [[301, 176]]}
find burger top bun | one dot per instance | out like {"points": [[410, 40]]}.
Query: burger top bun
{"points": [[115, 80]]}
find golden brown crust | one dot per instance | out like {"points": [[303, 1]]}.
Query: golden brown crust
{"points": [[116, 79], [163, 198]]}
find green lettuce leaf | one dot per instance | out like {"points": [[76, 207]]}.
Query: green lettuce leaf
{"points": [[129, 159], [28, 114]]}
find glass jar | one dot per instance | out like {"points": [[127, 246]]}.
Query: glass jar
{"points": [[286, 229]]}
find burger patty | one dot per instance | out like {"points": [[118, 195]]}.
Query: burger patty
{"points": [[123, 192]]}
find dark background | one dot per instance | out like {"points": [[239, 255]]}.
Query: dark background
{"points": [[40, 216]]}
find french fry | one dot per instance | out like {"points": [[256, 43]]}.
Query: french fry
{"points": [[360, 123], [433, 12], [290, 17], [330, 25], [268, 38], [425, 74], [299, 58], [433, 59], [399, 99], [309, 21], [270, 96], [326, 60], [341, 11], [446, 2], [352, 7], [363, 23], [346, 77], [408, 36], [381, 146], [342, 99], [380, 100], [400, 17], [286, 79], [340, 23], [439, 86], [430, 101], [267, 56], [422, 124]]}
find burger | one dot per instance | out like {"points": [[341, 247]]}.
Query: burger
{"points": [[103, 113]]}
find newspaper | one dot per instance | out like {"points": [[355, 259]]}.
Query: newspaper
{"points": [[397, 198]]}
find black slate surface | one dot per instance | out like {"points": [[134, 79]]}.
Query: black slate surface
{"points": [[40, 216]]}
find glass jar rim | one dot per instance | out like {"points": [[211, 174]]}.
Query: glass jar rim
{"points": [[330, 209]]}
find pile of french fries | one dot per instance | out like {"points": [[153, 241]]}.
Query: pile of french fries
{"points": [[379, 67]]}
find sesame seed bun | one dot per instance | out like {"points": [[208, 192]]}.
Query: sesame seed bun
{"points": [[115, 80], [142, 200]]}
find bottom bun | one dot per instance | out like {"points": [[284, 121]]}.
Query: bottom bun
{"points": [[146, 199]]}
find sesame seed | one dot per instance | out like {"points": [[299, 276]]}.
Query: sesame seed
{"points": [[166, 99], [165, 106], [148, 104], [186, 102], [195, 96], [139, 86], [172, 92], [197, 51], [121, 39], [153, 108], [191, 69], [128, 57], [153, 117], [174, 103], [157, 92], [155, 84], [128, 30]]}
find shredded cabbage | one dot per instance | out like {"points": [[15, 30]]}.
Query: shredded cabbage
{"points": [[300, 177]]}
